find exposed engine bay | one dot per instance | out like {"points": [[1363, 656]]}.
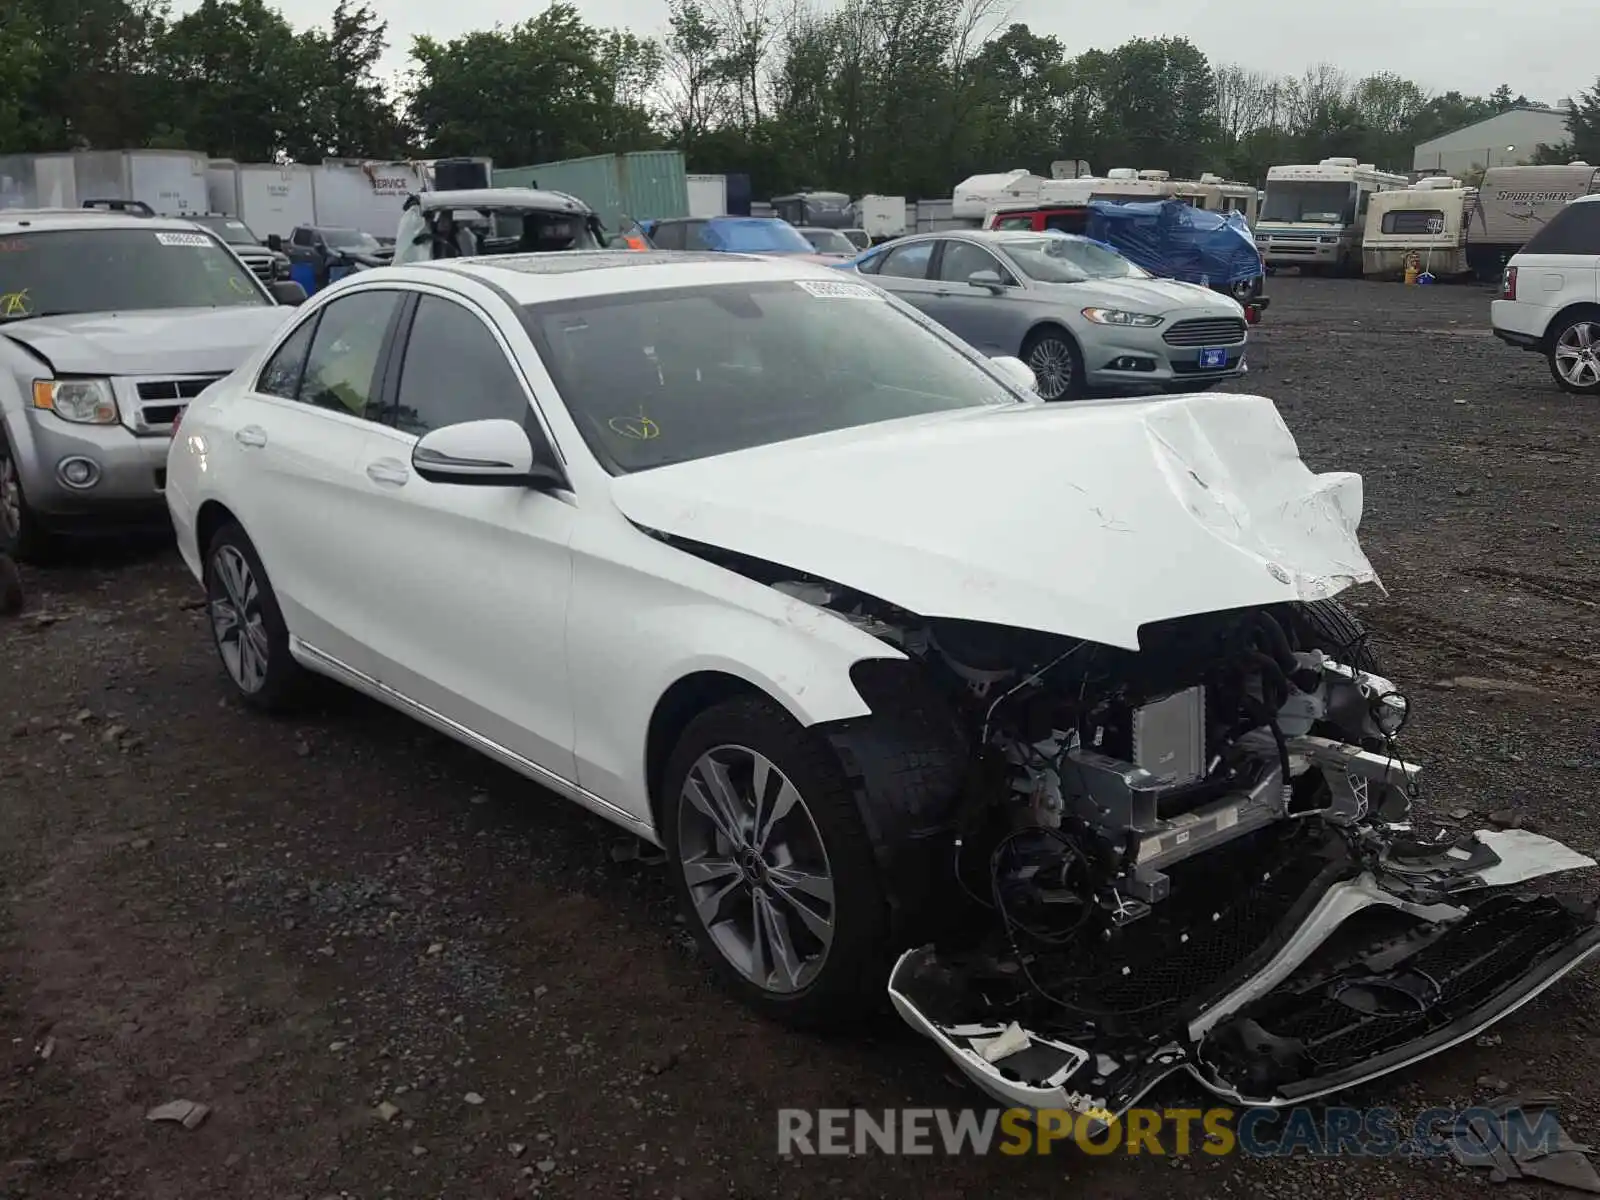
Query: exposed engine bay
{"points": [[1198, 856]]}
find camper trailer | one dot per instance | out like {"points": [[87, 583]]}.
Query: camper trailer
{"points": [[1313, 216], [1514, 203], [827, 210], [1429, 219], [1210, 192], [974, 196]]}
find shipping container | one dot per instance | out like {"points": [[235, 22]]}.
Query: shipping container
{"points": [[708, 195], [645, 185], [274, 199], [222, 187], [171, 182]]}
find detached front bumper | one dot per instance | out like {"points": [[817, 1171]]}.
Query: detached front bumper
{"points": [[1364, 971]]}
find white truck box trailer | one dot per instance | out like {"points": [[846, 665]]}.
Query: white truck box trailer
{"points": [[708, 195]]}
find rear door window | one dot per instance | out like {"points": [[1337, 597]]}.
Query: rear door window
{"points": [[908, 262], [342, 368], [1573, 230]]}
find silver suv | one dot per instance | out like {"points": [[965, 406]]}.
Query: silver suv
{"points": [[110, 324]]}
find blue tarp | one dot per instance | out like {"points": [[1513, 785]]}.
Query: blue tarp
{"points": [[1178, 241]]}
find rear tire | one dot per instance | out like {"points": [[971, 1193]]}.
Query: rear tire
{"points": [[1057, 364], [819, 956], [247, 625], [1575, 354]]}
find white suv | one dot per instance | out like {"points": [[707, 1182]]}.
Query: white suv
{"points": [[1550, 296]]}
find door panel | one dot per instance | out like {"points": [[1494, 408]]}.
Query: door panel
{"points": [[467, 586], [977, 315], [297, 438], [904, 272]]}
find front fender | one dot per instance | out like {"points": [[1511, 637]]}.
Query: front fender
{"points": [[635, 629]]}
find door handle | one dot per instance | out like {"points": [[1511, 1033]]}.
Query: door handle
{"points": [[251, 436], [388, 470]]}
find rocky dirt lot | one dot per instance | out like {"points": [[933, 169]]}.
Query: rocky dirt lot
{"points": [[391, 969]]}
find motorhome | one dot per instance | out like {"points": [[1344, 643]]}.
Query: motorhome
{"points": [[1514, 203], [1429, 219], [1313, 216], [1210, 192]]}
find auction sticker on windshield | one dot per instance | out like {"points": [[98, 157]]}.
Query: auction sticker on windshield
{"points": [[183, 239], [827, 289]]}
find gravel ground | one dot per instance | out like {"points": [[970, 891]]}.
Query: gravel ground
{"points": [[392, 969]]}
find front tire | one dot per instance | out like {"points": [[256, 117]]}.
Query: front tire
{"points": [[21, 536], [1056, 363], [1575, 355], [773, 866], [247, 625]]}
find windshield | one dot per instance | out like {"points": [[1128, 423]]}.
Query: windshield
{"points": [[829, 241], [660, 377], [753, 235], [350, 239], [1319, 203], [1063, 258], [230, 229], [104, 270]]}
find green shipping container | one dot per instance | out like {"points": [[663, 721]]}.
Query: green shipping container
{"points": [[643, 185]]}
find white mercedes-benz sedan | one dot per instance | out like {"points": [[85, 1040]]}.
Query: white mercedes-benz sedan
{"points": [[1040, 722]]}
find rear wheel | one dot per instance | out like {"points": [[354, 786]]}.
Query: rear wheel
{"points": [[1575, 355], [773, 866], [1056, 364], [247, 625]]}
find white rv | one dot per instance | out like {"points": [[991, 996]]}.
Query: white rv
{"points": [[1514, 203], [1429, 218], [1313, 216]]}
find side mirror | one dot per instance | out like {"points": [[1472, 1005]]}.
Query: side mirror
{"points": [[288, 292], [1017, 372], [987, 279], [492, 453], [275, 243]]}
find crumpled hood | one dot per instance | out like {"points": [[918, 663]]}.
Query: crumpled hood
{"points": [[1087, 519], [177, 341], [1149, 295]]}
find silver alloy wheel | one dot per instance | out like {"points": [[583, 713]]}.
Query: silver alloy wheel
{"points": [[757, 871], [236, 619], [1051, 360], [10, 496], [1578, 354]]}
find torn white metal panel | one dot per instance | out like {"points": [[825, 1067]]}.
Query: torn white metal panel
{"points": [[1524, 855], [1087, 519]]}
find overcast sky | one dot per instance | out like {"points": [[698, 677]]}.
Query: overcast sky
{"points": [[1546, 49]]}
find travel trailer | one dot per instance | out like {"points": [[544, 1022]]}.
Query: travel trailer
{"points": [[1210, 192], [1429, 218], [974, 196], [1514, 203], [828, 210], [1313, 216]]}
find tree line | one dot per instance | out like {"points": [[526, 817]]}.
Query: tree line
{"points": [[902, 97]]}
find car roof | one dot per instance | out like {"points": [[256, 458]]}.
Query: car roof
{"points": [[1589, 199], [563, 274], [507, 197], [16, 220]]}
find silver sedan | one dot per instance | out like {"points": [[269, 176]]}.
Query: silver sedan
{"points": [[1077, 312]]}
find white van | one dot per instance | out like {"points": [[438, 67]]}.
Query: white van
{"points": [[1550, 297]]}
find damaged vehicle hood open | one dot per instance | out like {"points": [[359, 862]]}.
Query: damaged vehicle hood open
{"points": [[1087, 520]]}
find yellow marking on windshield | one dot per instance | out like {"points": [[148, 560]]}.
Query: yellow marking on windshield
{"points": [[14, 304], [639, 429]]}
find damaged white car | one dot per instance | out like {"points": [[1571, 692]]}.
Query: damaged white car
{"points": [[1043, 719]]}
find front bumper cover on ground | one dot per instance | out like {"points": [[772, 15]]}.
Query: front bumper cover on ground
{"points": [[1366, 970]]}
